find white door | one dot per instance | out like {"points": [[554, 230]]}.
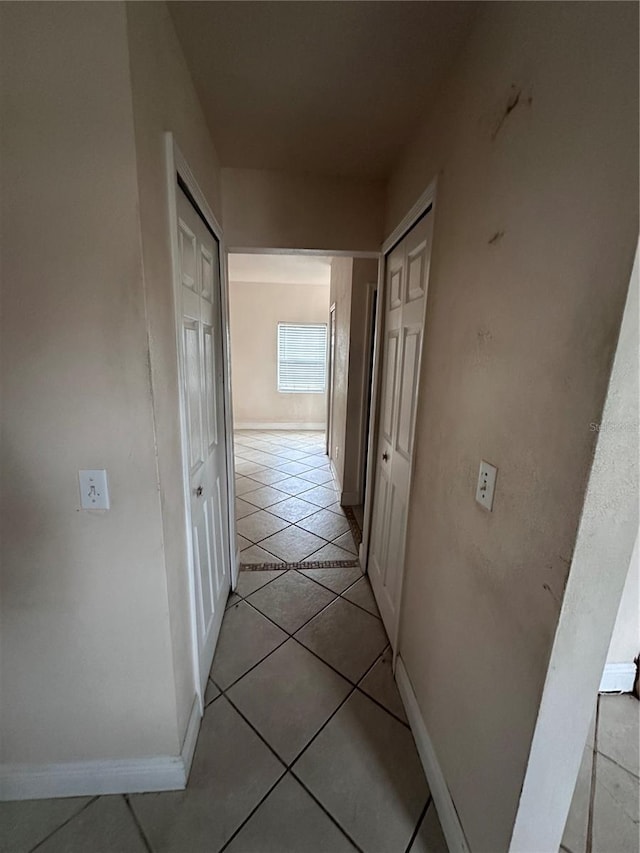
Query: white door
{"points": [[201, 327], [405, 296]]}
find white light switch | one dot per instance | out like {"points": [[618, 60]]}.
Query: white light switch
{"points": [[94, 492], [486, 485]]}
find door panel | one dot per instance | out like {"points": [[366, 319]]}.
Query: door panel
{"points": [[187, 256], [204, 402], [192, 371], [408, 390], [406, 280], [395, 288], [211, 400], [389, 393]]}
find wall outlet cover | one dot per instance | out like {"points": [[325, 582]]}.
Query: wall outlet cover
{"points": [[94, 490], [486, 485]]}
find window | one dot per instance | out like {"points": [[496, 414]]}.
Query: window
{"points": [[302, 358]]}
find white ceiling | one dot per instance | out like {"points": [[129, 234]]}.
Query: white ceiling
{"points": [[280, 269], [325, 87]]}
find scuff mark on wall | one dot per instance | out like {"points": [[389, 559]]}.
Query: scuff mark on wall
{"points": [[496, 238], [551, 593], [515, 98]]}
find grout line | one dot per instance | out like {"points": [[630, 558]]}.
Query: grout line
{"points": [[423, 814], [353, 684], [282, 572], [617, 764], [257, 663], [293, 637], [143, 834], [251, 813], [592, 787], [325, 810], [257, 732], [303, 530], [354, 687], [92, 800], [288, 766]]}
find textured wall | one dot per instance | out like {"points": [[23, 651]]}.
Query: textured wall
{"points": [[86, 648], [534, 140], [164, 99]]}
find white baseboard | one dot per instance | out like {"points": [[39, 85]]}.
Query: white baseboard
{"points": [[334, 473], [618, 678], [289, 425], [445, 807], [190, 739], [89, 778]]}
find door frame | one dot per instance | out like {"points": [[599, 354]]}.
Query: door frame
{"points": [[331, 330], [366, 401], [178, 168], [425, 203]]}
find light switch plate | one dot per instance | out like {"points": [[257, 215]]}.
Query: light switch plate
{"points": [[486, 485], [94, 491]]}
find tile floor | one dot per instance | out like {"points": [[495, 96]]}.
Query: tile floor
{"points": [[304, 746], [287, 505], [604, 814]]}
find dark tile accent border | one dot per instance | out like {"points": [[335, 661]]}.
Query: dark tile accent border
{"points": [[353, 524], [318, 564]]}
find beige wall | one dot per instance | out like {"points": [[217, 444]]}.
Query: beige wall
{"points": [[340, 297], [350, 278], [278, 210], [625, 640], [365, 273], [535, 229], [607, 529], [163, 99], [86, 648], [96, 660], [256, 309]]}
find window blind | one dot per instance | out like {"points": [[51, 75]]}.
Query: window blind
{"points": [[302, 358]]}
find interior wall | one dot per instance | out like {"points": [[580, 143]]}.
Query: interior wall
{"points": [[534, 141], [603, 546], [256, 309], [86, 650], [364, 273], [164, 99], [625, 640], [340, 296], [280, 210]]}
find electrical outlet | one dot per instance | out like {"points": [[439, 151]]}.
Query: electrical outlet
{"points": [[486, 485]]}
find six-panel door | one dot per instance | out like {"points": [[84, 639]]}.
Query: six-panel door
{"points": [[204, 404], [406, 277]]}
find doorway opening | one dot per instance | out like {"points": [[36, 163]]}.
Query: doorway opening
{"points": [[301, 342]]}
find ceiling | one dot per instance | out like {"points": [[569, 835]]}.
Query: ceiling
{"points": [[323, 87], [280, 269]]}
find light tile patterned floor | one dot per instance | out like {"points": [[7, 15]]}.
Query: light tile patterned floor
{"points": [[304, 746], [287, 504], [605, 812], [303, 669]]}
